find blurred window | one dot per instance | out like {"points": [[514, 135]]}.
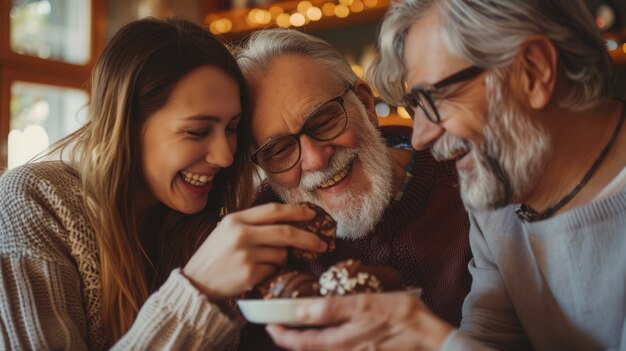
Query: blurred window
{"points": [[47, 51], [52, 29], [40, 115]]}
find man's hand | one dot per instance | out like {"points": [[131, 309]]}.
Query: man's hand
{"points": [[392, 321]]}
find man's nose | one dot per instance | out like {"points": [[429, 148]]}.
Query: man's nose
{"points": [[425, 132], [315, 154]]}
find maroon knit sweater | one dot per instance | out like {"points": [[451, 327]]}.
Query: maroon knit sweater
{"points": [[424, 235]]}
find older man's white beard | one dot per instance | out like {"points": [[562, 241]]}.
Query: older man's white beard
{"points": [[509, 158], [356, 210]]}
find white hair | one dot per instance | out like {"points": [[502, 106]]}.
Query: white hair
{"points": [[488, 33], [256, 55]]}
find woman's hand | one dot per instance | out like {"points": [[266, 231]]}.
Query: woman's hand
{"points": [[384, 322], [248, 246]]}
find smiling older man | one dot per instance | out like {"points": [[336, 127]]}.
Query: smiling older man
{"points": [[518, 94], [315, 131]]}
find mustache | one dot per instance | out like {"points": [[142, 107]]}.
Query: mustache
{"points": [[341, 159], [449, 147]]}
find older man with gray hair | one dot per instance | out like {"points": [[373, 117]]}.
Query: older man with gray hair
{"points": [[316, 137], [518, 93]]}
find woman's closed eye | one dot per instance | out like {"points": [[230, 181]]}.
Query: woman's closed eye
{"points": [[232, 129], [198, 133]]}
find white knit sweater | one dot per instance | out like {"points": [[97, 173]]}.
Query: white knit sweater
{"points": [[50, 289]]}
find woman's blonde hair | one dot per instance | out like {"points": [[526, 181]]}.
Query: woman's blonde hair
{"points": [[134, 77]]}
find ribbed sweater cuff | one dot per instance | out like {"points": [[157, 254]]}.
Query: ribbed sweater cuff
{"points": [[178, 316], [191, 306]]}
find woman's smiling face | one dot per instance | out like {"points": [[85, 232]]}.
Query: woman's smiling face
{"points": [[190, 139]]}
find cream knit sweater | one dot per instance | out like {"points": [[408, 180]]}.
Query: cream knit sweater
{"points": [[50, 277]]}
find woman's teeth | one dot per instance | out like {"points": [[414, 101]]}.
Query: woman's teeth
{"points": [[335, 179], [196, 179]]}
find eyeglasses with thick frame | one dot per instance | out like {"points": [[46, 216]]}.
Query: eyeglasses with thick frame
{"points": [[325, 123], [422, 97]]}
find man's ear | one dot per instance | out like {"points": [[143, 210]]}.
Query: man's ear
{"points": [[364, 93], [536, 67]]}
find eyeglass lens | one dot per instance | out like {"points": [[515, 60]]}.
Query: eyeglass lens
{"points": [[428, 105], [324, 124], [421, 99]]}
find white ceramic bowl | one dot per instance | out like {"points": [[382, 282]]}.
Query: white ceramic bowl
{"points": [[283, 311]]}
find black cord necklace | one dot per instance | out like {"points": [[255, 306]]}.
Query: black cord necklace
{"points": [[528, 214]]}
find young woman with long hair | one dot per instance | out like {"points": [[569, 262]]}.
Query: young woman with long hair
{"points": [[110, 247]]}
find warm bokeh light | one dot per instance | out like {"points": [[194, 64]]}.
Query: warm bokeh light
{"points": [[328, 9], [402, 112], [297, 19], [303, 6], [282, 20], [314, 13], [357, 6], [358, 70], [220, 26], [605, 17], [226, 25], [624, 48], [346, 2], [275, 11], [263, 17], [370, 3], [252, 15], [342, 11]]}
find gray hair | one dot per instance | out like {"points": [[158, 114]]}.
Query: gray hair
{"points": [[265, 45], [488, 33]]}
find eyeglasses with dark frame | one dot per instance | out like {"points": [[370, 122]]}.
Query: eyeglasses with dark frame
{"points": [[325, 123], [422, 97]]}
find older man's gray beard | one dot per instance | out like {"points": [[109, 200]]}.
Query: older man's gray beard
{"points": [[508, 160], [356, 210]]}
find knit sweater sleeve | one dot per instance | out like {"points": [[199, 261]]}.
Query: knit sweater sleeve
{"points": [[489, 317], [45, 298], [40, 288], [178, 317], [40, 305]]}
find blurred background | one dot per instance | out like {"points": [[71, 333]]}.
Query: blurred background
{"points": [[48, 47]]}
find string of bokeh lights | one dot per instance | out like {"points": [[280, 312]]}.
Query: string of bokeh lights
{"points": [[304, 13]]}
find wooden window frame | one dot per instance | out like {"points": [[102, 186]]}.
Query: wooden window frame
{"points": [[16, 67]]}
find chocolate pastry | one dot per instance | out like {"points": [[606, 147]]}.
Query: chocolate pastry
{"points": [[351, 277], [323, 225], [290, 284]]}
